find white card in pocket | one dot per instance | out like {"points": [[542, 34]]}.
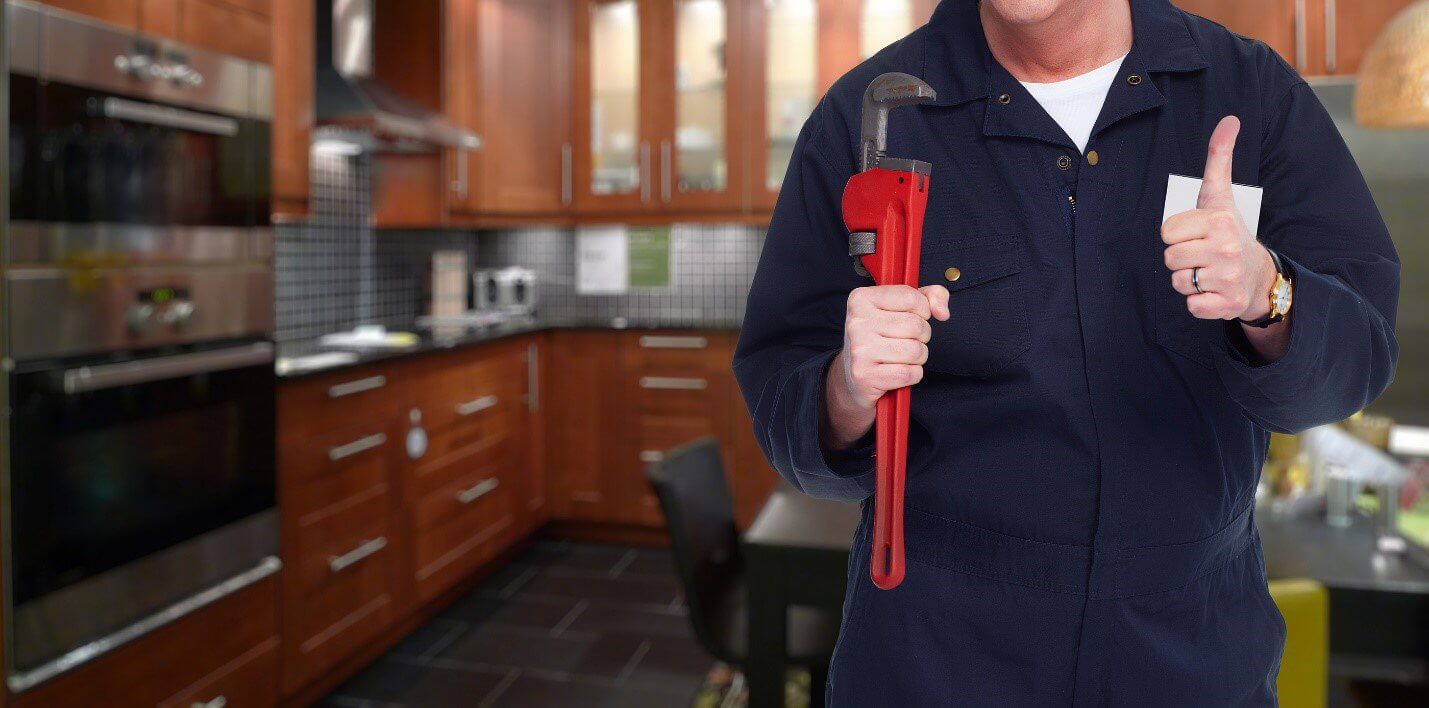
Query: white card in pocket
{"points": [[1182, 191]]}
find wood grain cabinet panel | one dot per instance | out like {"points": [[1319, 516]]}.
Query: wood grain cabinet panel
{"points": [[583, 412], [293, 104], [208, 653], [224, 28]]}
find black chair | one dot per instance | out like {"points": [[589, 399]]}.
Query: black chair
{"points": [[699, 512]]}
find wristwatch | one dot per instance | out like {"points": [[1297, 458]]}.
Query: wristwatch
{"points": [[1282, 294]]}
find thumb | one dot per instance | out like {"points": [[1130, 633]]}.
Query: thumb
{"points": [[937, 301], [1216, 183]]}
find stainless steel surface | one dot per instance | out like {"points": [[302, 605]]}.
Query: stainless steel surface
{"points": [[533, 377], [356, 447], [1302, 52], [349, 94], [95, 378], [23, 33], [67, 628], [1332, 37], [78, 50], [666, 175], [169, 117], [659, 341], [349, 388], [651, 456], [216, 702], [476, 405], [54, 244], [80, 310], [367, 549], [460, 184], [673, 383], [567, 174], [644, 171], [478, 490]]}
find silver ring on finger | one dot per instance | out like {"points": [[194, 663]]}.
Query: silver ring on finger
{"points": [[1196, 280]]}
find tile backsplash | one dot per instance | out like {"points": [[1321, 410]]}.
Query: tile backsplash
{"points": [[335, 271]]}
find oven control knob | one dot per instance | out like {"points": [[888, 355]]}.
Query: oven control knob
{"points": [[178, 313], [139, 317]]}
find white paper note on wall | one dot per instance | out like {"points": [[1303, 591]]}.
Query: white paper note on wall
{"points": [[602, 260]]}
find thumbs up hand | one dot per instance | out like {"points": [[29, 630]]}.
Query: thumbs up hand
{"points": [[1222, 270]]}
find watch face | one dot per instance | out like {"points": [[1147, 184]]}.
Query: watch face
{"points": [[1281, 296]]}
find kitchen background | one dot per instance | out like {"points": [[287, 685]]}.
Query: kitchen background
{"points": [[272, 439]]}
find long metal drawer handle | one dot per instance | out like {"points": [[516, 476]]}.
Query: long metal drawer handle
{"points": [[337, 564], [476, 405], [656, 341], [357, 446], [219, 702], [477, 491], [95, 378], [671, 383], [355, 387], [652, 456], [168, 117]]}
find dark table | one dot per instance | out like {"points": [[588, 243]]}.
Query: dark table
{"points": [[798, 551]]}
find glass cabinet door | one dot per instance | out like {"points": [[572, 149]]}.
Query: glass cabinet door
{"points": [[883, 22], [701, 155], [618, 157], [790, 80]]}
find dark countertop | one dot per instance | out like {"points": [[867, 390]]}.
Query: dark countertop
{"points": [[447, 338], [1340, 558]]}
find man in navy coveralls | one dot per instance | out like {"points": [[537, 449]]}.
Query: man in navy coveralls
{"points": [[1094, 389]]}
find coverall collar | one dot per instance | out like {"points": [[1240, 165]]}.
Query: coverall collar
{"points": [[961, 68]]}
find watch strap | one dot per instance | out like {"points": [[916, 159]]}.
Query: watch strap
{"points": [[1272, 318]]}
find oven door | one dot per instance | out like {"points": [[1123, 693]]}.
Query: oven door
{"points": [[134, 485]]}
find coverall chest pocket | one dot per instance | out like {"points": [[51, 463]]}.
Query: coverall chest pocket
{"points": [[990, 327]]}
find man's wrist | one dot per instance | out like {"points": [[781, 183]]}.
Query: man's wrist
{"points": [[1265, 273], [845, 420]]}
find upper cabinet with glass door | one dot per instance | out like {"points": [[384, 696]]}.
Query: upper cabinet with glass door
{"points": [[699, 166], [613, 129], [787, 34]]}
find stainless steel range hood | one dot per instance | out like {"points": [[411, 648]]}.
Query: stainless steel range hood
{"points": [[348, 94]]}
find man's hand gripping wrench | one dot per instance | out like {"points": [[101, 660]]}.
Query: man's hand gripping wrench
{"points": [[883, 209]]}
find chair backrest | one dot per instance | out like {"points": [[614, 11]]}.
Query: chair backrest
{"points": [[699, 512]]}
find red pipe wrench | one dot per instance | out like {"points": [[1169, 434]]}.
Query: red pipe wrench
{"points": [[883, 209]]}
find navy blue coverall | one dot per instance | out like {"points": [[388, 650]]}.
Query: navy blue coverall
{"points": [[1084, 453]]}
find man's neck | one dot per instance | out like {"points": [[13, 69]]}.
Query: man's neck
{"points": [[1077, 38]]}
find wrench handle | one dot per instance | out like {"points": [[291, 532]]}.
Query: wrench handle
{"points": [[886, 565]]}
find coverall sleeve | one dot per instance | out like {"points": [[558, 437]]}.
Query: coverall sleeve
{"points": [[1319, 215], [793, 325]]}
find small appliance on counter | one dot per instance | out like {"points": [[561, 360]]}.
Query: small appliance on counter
{"points": [[509, 290], [138, 318]]}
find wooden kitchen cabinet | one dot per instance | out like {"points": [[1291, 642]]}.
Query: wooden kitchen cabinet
{"points": [[583, 417], [523, 111], [242, 28], [337, 454], [293, 104], [1317, 37], [226, 651]]}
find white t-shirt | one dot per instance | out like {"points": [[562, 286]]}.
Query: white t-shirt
{"points": [[1076, 102]]}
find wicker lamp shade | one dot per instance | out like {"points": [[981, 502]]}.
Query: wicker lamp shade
{"points": [[1393, 89]]}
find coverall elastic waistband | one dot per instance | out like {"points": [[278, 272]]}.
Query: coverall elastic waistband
{"points": [[1104, 574]]}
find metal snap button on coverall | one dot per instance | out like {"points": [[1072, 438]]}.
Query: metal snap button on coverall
{"points": [[1084, 453]]}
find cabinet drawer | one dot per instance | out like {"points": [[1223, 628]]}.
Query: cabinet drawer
{"points": [[457, 452], [337, 466], [676, 393], [312, 408], [459, 528], [480, 486], [192, 652], [689, 351], [450, 389], [340, 583], [248, 681]]}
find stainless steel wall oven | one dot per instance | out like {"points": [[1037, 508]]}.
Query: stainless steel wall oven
{"points": [[137, 329]]}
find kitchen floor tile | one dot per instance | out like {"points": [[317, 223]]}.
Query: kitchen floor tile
{"points": [[563, 624], [534, 692], [394, 683]]}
